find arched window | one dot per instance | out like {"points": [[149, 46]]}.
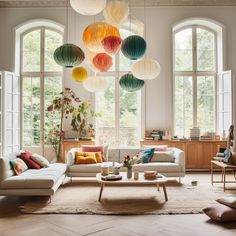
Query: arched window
{"points": [[120, 121], [41, 79], [196, 48]]}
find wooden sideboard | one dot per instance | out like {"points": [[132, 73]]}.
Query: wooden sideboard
{"points": [[198, 154], [68, 144]]}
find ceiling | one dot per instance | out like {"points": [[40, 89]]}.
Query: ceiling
{"points": [[61, 3]]}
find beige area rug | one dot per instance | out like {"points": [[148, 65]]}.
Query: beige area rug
{"points": [[82, 198]]}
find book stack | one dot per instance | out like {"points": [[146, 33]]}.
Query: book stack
{"points": [[150, 175], [155, 135], [195, 133]]}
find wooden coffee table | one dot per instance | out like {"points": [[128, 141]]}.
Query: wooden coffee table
{"points": [[125, 181]]}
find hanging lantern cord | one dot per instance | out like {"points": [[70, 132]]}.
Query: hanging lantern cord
{"points": [[67, 21]]}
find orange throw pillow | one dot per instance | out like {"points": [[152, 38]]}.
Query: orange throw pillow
{"points": [[85, 158], [98, 156]]}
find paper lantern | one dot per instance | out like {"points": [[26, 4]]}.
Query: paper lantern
{"points": [[131, 84], [102, 61], [79, 74], [146, 69], [95, 84], [88, 7], [116, 12], [133, 47], [95, 33], [68, 55], [112, 44]]}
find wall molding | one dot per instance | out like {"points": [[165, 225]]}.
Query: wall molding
{"points": [[136, 3]]}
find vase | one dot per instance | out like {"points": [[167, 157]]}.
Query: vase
{"points": [[129, 173]]}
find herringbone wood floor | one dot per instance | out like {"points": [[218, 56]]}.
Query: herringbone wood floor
{"points": [[13, 223]]}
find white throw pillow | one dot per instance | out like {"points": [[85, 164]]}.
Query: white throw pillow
{"points": [[42, 161], [167, 156]]}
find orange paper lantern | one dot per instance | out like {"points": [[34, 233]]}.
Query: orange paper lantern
{"points": [[95, 33], [102, 61], [112, 44]]}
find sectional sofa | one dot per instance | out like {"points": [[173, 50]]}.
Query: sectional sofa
{"points": [[32, 182]]}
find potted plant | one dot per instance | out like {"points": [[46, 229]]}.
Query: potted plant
{"points": [[82, 120], [64, 104]]}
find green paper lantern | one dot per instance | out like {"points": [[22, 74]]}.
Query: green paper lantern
{"points": [[133, 47], [130, 83], [68, 55]]}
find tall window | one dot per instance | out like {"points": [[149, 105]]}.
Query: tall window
{"points": [[194, 79], [119, 124], [41, 81]]}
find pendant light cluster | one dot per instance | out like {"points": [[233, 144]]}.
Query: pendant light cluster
{"points": [[102, 41]]}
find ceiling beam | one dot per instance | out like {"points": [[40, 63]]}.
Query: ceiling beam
{"points": [[137, 3]]}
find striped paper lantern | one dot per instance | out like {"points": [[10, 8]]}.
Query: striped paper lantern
{"points": [[130, 83]]}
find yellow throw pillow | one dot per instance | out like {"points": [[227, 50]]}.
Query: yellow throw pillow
{"points": [[85, 158], [98, 156]]}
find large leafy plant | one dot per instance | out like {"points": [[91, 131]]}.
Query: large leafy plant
{"points": [[65, 104], [82, 119]]}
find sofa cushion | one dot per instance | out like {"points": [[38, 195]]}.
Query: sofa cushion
{"points": [[85, 158], [42, 161], [41, 178], [89, 168], [220, 213], [19, 166], [167, 156], [146, 155], [95, 148], [228, 201], [161, 167], [25, 156]]}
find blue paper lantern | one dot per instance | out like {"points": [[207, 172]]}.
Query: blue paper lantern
{"points": [[133, 47], [68, 55], [130, 83]]}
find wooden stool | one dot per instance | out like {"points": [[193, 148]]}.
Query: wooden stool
{"points": [[224, 167]]}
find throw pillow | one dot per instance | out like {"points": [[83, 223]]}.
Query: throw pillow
{"points": [[167, 156], [228, 201], [42, 161], [25, 156], [94, 148], [158, 148], [85, 158], [18, 165], [220, 213], [146, 155]]}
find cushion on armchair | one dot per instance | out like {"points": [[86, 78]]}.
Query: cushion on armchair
{"points": [[85, 158], [96, 148]]}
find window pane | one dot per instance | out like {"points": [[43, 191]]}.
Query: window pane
{"points": [[183, 105], [52, 86], [128, 118], [205, 50], [52, 41], [31, 52], [124, 62], [105, 105], [183, 50], [31, 111], [205, 103]]}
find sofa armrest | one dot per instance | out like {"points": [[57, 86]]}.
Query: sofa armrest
{"points": [[179, 158], [70, 156]]}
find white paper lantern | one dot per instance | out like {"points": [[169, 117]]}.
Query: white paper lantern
{"points": [[146, 69], [95, 84], [116, 12], [88, 7]]}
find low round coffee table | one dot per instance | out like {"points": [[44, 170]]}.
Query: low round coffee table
{"points": [[141, 181]]}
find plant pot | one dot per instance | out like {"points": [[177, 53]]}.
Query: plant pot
{"points": [[129, 173]]}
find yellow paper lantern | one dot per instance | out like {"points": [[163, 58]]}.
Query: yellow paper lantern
{"points": [[95, 33], [116, 12], [79, 74]]}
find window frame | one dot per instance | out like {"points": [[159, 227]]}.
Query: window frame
{"points": [[195, 72], [141, 102], [42, 74]]}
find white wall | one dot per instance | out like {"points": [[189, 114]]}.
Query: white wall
{"points": [[159, 38]]}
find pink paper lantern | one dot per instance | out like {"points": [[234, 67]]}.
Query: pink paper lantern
{"points": [[112, 44], [102, 61]]}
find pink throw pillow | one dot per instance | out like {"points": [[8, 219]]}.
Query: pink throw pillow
{"points": [[94, 148], [220, 213]]}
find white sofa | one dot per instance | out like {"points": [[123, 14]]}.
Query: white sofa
{"points": [[169, 169], [41, 182]]}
